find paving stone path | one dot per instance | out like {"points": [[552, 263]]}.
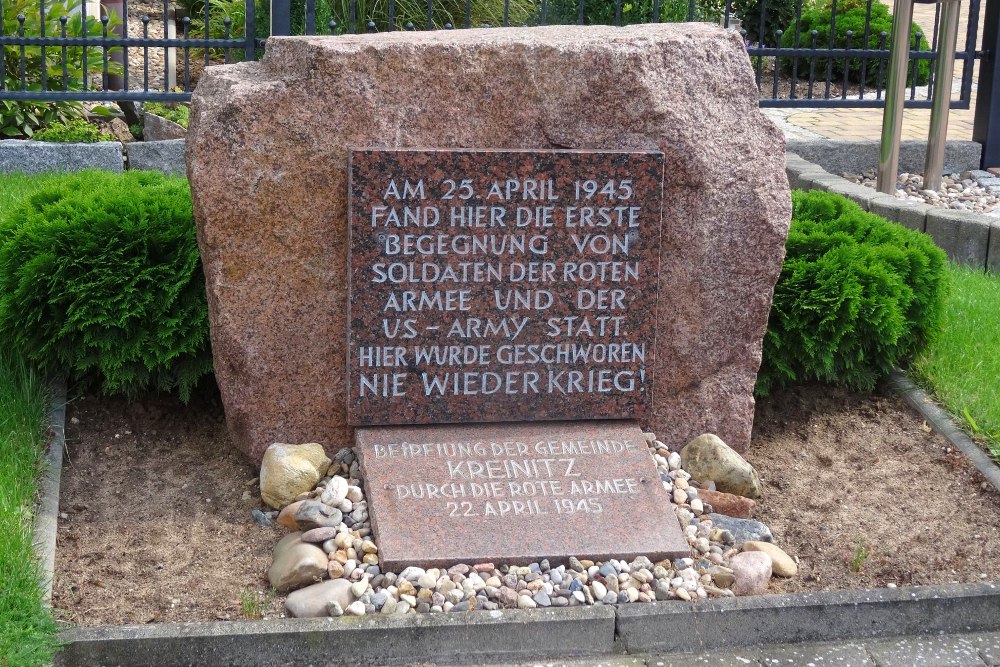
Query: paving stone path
{"points": [[959, 650]]}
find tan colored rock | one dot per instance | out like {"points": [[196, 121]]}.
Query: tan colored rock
{"points": [[708, 458], [728, 503], [287, 471], [751, 572], [782, 564], [269, 184], [313, 601], [286, 517], [295, 564]]}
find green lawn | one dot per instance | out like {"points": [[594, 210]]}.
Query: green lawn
{"points": [[27, 631], [961, 368]]}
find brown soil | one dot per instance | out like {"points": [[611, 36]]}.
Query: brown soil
{"points": [[158, 525], [156, 519]]}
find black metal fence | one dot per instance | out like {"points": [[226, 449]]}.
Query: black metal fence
{"points": [[818, 53]]}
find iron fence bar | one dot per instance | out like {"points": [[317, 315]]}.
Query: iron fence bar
{"points": [[986, 121], [41, 27], [795, 61], [392, 15], [311, 16], [63, 20], [167, 16], [3, 55], [829, 60], [870, 103], [86, 31], [866, 43], [124, 29], [847, 66], [281, 17], [145, 52], [971, 35]]}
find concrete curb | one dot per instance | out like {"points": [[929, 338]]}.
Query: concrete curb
{"points": [[473, 638], [967, 238], [47, 513], [838, 155], [808, 617], [166, 156], [33, 157], [942, 423]]}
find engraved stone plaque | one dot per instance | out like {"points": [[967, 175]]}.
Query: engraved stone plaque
{"points": [[496, 285], [515, 493]]}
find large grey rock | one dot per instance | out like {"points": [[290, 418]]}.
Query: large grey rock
{"points": [[288, 470], [708, 458], [312, 601], [35, 157], [295, 564], [165, 156], [742, 529], [269, 183], [158, 128]]}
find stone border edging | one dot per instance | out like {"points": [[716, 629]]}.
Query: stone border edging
{"points": [[943, 424], [840, 155], [460, 638], [46, 518], [166, 155], [968, 238], [808, 617], [34, 157]]}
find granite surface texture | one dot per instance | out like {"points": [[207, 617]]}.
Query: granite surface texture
{"points": [[516, 493], [502, 285], [267, 157]]}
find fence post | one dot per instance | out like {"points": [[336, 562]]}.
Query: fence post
{"points": [[986, 125], [281, 17]]}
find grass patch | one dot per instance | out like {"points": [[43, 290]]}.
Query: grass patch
{"points": [[27, 630], [14, 187], [961, 366]]}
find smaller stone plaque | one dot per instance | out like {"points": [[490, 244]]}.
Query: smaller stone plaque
{"points": [[515, 493]]}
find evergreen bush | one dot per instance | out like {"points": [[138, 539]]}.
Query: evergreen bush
{"points": [[100, 279], [856, 296], [851, 16]]}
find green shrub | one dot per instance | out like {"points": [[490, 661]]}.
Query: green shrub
{"points": [[21, 118], [100, 279], [856, 295], [178, 113], [851, 17], [605, 12], [778, 14], [73, 131]]}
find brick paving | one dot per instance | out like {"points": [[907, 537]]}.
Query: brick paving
{"points": [[854, 124]]}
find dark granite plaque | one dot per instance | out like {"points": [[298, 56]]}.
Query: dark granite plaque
{"points": [[515, 493], [502, 285]]}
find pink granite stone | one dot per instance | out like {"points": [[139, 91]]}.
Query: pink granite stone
{"points": [[268, 152], [502, 285], [515, 493]]}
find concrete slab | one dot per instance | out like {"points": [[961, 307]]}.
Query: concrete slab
{"points": [[988, 645], [838, 156], [452, 639], [737, 659], [817, 655], [973, 240], [943, 227], [828, 616], [993, 249], [926, 652], [599, 661], [859, 194]]}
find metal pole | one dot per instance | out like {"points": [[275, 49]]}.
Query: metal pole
{"points": [[892, 116], [944, 71]]}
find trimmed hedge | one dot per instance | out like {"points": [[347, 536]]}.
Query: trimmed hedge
{"points": [[851, 16], [100, 279], [857, 295]]}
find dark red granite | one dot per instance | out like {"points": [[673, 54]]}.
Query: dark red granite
{"points": [[494, 285], [515, 493]]}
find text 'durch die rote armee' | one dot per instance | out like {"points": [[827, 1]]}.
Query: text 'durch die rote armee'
{"points": [[502, 285]]}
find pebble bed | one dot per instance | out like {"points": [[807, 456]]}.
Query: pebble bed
{"points": [[353, 556], [977, 191]]}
